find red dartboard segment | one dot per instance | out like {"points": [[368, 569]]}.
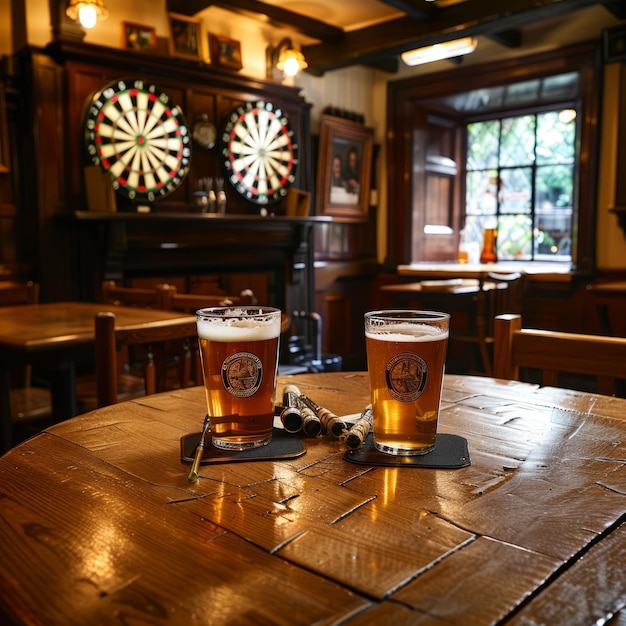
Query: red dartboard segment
{"points": [[139, 137], [259, 152]]}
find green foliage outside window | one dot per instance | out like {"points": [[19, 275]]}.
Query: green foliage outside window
{"points": [[520, 170]]}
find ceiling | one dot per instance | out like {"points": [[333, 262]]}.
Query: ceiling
{"points": [[375, 32]]}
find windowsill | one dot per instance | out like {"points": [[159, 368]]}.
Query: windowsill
{"points": [[549, 272]]}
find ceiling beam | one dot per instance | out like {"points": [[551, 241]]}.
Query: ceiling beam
{"points": [[509, 38], [415, 9], [424, 24], [278, 17], [475, 17], [617, 7]]}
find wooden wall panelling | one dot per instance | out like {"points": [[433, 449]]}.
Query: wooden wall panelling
{"points": [[191, 85], [5, 158], [62, 79], [44, 182], [8, 213], [343, 294]]}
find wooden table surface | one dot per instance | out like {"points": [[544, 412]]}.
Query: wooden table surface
{"points": [[99, 525], [53, 336]]}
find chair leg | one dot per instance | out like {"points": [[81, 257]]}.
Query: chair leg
{"points": [[482, 345]]}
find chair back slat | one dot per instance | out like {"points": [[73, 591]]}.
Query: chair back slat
{"points": [[171, 299], [118, 295], [555, 353], [14, 292], [109, 342]]}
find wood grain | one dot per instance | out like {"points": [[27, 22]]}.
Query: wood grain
{"points": [[99, 525]]}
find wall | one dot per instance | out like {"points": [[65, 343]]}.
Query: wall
{"points": [[583, 25], [610, 240], [359, 88]]}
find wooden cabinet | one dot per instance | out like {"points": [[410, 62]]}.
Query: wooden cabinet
{"points": [[59, 82], [620, 165]]}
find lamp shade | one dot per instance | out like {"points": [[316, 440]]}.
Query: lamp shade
{"points": [[439, 51], [291, 61], [88, 12]]}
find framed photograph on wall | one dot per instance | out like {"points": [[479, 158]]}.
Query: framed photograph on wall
{"points": [[344, 168], [225, 52], [139, 37], [184, 36]]}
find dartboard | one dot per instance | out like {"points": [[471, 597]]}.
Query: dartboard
{"points": [[139, 137], [259, 152]]}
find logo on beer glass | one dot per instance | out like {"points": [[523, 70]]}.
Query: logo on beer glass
{"points": [[406, 375], [241, 374]]}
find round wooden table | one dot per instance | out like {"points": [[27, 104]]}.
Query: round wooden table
{"points": [[99, 524]]}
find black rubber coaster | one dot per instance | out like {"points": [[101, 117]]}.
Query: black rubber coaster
{"points": [[450, 452], [282, 446]]}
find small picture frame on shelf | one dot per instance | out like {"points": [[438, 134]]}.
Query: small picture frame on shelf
{"points": [[225, 52], [344, 169], [139, 37], [184, 37]]}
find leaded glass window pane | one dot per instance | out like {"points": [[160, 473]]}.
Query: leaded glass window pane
{"points": [[530, 186], [482, 145], [518, 141], [515, 237], [481, 192], [555, 186], [516, 193], [555, 137]]}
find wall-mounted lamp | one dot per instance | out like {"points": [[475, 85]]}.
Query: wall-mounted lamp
{"points": [[439, 51], [285, 58], [88, 12]]}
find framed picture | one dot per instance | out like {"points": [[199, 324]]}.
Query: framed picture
{"points": [[225, 52], [344, 168], [139, 37], [184, 36]]}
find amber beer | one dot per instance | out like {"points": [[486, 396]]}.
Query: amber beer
{"points": [[239, 352], [406, 353]]}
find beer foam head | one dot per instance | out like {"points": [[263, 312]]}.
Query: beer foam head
{"points": [[406, 332], [238, 325]]}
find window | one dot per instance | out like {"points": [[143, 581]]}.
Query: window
{"points": [[501, 132], [520, 180]]}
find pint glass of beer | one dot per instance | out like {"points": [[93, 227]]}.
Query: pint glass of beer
{"points": [[239, 352], [406, 353]]}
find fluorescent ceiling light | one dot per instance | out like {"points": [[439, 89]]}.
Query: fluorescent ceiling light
{"points": [[444, 50]]}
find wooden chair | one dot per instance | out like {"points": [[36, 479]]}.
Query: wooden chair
{"points": [[556, 354], [28, 402], [109, 341], [13, 292], [498, 294], [130, 378], [472, 304], [115, 294], [171, 299]]}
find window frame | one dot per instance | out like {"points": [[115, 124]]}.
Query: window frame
{"points": [[533, 166], [408, 98]]}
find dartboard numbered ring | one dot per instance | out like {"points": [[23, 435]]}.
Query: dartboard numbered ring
{"points": [[139, 137], [259, 152]]}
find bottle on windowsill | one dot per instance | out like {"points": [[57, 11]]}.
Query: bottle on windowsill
{"points": [[489, 252], [463, 252]]}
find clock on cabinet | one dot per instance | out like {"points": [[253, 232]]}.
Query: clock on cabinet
{"points": [[259, 152], [139, 137], [204, 132]]}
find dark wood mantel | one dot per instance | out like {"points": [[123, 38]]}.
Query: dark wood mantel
{"points": [[120, 246]]}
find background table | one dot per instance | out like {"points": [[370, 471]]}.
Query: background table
{"points": [[54, 336], [539, 271], [99, 525]]}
